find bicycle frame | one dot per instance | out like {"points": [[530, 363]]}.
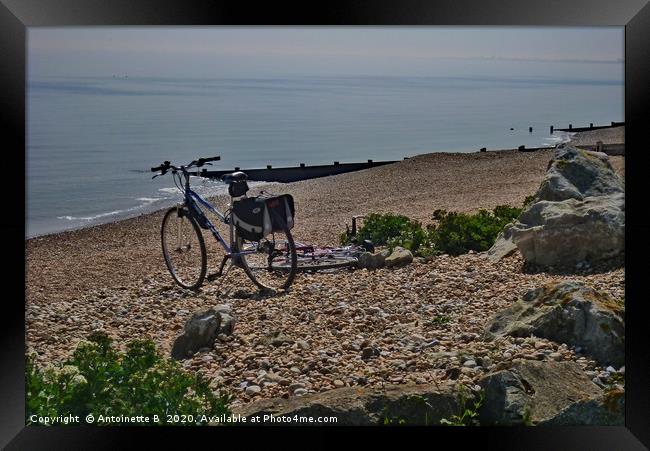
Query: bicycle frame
{"points": [[192, 200]]}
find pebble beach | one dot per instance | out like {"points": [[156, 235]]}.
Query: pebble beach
{"points": [[425, 319]]}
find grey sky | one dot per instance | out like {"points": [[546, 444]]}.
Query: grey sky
{"points": [[267, 51]]}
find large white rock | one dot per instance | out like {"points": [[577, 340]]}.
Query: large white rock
{"points": [[579, 214], [571, 231], [576, 174]]}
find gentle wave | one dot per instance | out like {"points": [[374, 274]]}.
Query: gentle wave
{"points": [[146, 201]]}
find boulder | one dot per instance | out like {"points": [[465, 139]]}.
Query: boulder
{"points": [[399, 257], [201, 330], [547, 393], [227, 323], [567, 312], [571, 231], [503, 245], [414, 404], [578, 216], [373, 260], [576, 174]]}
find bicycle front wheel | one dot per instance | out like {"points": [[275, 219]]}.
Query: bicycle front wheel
{"points": [[271, 262], [183, 248]]}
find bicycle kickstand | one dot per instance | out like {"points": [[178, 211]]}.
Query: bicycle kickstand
{"points": [[214, 275]]}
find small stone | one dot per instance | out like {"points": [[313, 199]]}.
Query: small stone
{"points": [[555, 356], [300, 392], [469, 363], [598, 382], [253, 390], [302, 344], [366, 353], [610, 369], [296, 386], [339, 383]]}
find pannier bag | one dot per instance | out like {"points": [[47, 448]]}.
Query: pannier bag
{"points": [[257, 217]]}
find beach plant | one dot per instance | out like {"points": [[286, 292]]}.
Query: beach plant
{"points": [[458, 233], [468, 415], [99, 380], [389, 229], [454, 234], [440, 320]]}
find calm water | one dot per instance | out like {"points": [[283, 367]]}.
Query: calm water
{"points": [[91, 141]]}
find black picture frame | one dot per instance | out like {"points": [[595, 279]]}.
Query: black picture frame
{"points": [[16, 15]]}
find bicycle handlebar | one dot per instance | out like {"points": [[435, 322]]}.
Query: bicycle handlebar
{"points": [[196, 163]]}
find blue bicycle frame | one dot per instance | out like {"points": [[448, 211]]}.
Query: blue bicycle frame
{"points": [[192, 200]]}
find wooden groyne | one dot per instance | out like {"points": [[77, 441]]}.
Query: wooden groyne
{"points": [[586, 129], [296, 173]]}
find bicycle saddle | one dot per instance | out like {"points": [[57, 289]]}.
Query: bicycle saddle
{"points": [[234, 177]]}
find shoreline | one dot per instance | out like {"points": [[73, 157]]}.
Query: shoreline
{"points": [[148, 210], [614, 135]]}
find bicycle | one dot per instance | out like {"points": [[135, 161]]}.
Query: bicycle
{"points": [[269, 267], [312, 258]]}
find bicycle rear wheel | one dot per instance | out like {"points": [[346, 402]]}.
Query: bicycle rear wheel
{"points": [[183, 248], [270, 263]]}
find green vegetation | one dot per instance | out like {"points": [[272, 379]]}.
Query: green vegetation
{"points": [[99, 380], [440, 320], [468, 416], [455, 233], [458, 233], [392, 421], [382, 228]]}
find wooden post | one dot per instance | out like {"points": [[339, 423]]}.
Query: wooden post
{"points": [[483, 149], [236, 168], [369, 161], [599, 146], [302, 165], [570, 126], [268, 166], [591, 125], [551, 129], [522, 148], [336, 163], [530, 129]]}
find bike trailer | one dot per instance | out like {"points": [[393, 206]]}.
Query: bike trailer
{"points": [[257, 217]]}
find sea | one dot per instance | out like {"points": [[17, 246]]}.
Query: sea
{"points": [[91, 141]]}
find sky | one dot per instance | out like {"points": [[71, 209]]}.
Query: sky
{"points": [[206, 52]]}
